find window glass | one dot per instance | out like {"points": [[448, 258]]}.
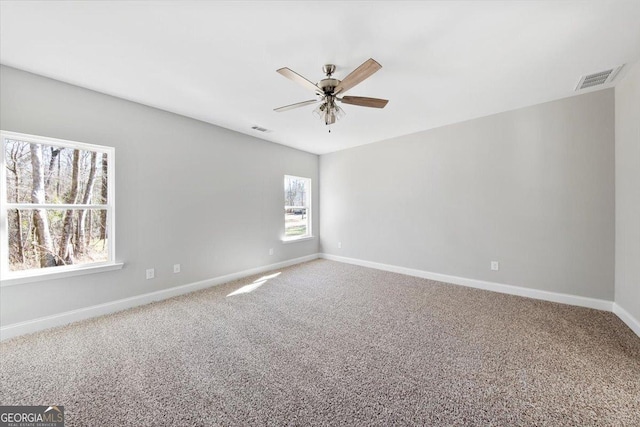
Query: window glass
{"points": [[56, 203], [297, 207]]}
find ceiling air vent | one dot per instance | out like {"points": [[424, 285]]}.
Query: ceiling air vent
{"points": [[597, 79], [259, 129]]}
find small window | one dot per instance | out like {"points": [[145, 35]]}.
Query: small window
{"points": [[297, 207], [57, 211]]}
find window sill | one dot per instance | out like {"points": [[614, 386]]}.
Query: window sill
{"points": [[297, 239], [39, 276]]}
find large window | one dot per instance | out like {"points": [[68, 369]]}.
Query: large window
{"points": [[297, 207], [57, 211]]}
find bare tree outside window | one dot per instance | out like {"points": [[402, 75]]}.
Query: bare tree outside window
{"points": [[55, 203]]}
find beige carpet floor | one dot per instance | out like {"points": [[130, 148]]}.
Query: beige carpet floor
{"points": [[326, 343]]}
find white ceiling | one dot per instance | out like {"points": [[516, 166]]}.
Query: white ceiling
{"points": [[443, 62]]}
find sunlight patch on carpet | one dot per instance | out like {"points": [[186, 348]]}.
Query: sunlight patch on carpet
{"points": [[253, 286]]}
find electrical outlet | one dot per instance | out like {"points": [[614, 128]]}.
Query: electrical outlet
{"points": [[271, 251], [151, 273], [339, 245], [495, 265], [176, 268]]}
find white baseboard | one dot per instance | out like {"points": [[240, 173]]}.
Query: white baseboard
{"points": [[598, 304], [627, 318], [21, 328]]}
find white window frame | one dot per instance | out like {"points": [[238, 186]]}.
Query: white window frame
{"points": [[8, 277], [309, 235]]}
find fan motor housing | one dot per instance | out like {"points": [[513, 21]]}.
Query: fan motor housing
{"points": [[328, 85]]}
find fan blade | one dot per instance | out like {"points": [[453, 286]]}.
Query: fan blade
{"points": [[292, 106], [364, 102], [292, 75], [365, 70]]}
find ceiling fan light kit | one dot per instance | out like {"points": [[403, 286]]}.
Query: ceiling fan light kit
{"points": [[328, 89], [329, 112]]}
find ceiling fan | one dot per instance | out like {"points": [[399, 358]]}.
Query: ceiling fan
{"points": [[329, 89]]}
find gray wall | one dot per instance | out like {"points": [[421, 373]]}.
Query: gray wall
{"points": [[531, 188], [627, 287], [186, 192]]}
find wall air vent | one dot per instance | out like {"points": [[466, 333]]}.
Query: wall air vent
{"points": [[598, 79], [259, 129]]}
